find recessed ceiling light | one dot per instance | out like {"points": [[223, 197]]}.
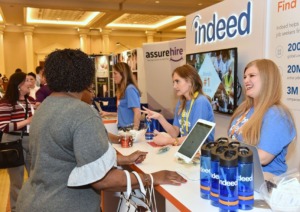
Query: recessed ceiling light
{"points": [[200, 4], [157, 2]]}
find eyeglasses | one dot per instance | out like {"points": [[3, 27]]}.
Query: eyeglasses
{"points": [[91, 90]]}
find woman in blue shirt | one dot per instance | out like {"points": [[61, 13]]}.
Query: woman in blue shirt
{"points": [[128, 95], [192, 105], [262, 119]]}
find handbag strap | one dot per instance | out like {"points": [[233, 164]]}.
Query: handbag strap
{"points": [[152, 194], [138, 177], [26, 114], [128, 190]]}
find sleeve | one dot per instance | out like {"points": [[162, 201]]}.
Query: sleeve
{"points": [[133, 97], [276, 133], [5, 118], [94, 154]]}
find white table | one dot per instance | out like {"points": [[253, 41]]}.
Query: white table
{"points": [[185, 197]]}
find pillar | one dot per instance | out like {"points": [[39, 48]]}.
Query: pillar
{"points": [[28, 31]]}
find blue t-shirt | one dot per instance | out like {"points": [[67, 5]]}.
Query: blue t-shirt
{"points": [[201, 109], [130, 100], [276, 134]]}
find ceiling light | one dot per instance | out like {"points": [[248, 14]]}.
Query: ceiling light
{"points": [[157, 2], [31, 19], [153, 26]]}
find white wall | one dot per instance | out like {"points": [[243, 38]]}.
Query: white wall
{"points": [[250, 46]]}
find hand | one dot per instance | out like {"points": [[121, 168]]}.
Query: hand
{"points": [[151, 114], [161, 139], [28, 120], [137, 157], [103, 113], [167, 177]]}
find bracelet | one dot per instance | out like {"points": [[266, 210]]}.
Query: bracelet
{"points": [[176, 142]]}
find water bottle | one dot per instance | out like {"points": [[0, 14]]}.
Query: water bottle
{"points": [[205, 169], [149, 130], [245, 178], [214, 173], [222, 141], [228, 171]]}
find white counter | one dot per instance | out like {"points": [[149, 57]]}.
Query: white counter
{"points": [[185, 197]]}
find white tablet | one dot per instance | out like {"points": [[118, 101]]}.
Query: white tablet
{"points": [[194, 140]]}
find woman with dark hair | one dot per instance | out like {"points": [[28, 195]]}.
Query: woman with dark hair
{"points": [[193, 104], [128, 94], [262, 119], [31, 77], [14, 120], [72, 158]]}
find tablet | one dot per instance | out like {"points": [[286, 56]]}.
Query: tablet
{"points": [[194, 140]]}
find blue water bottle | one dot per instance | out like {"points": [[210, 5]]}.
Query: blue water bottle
{"points": [[205, 169], [245, 178], [222, 141], [214, 173], [228, 172], [149, 129]]}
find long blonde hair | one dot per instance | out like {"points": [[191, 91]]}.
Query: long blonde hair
{"points": [[127, 78], [270, 95], [189, 73]]}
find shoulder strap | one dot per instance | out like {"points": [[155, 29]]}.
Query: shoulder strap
{"points": [[128, 191]]}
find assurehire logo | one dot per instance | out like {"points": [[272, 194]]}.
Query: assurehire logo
{"points": [[220, 29], [173, 54]]}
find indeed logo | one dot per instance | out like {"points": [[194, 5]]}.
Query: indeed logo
{"points": [[174, 54], [228, 183], [220, 29], [203, 170], [215, 176], [245, 179]]}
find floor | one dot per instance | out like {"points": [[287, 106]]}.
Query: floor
{"points": [[4, 190]]}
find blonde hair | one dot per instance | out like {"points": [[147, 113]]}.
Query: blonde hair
{"points": [[127, 78], [189, 73], [270, 95]]}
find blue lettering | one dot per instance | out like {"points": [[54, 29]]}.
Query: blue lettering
{"points": [[220, 29]]}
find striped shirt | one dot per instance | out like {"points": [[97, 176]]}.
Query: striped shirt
{"points": [[9, 115]]}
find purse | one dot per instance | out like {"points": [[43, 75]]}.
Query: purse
{"points": [[137, 200], [11, 153]]}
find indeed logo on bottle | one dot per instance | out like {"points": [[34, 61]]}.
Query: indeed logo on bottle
{"points": [[215, 176], [228, 183], [207, 171], [220, 29], [245, 179]]}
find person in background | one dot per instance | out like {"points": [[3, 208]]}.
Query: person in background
{"points": [[262, 119], [39, 73], [128, 95], [12, 122], [1, 87], [43, 92], [193, 104], [31, 77], [72, 159]]}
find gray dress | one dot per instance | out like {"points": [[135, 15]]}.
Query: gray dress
{"points": [[70, 150]]}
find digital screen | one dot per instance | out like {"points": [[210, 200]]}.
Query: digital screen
{"points": [[194, 139], [218, 72]]}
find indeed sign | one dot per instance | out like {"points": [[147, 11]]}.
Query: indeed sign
{"points": [[219, 29]]}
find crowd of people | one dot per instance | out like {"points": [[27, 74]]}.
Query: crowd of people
{"points": [[66, 170]]}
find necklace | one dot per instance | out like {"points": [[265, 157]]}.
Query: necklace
{"points": [[186, 114], [235, 127]]}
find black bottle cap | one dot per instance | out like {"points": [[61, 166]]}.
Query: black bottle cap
{"points": [[222, 140], [217, 151], [206, 148], [245, 155], [229, 158], [234, 145]]}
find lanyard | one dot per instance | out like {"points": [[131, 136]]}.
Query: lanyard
{"points": [[187, 114], [235, 127], [32, 112]]}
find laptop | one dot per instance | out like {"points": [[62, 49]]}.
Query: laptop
{"points": [[258, 175], [194, 140]]}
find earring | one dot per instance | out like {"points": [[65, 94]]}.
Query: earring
{"points": [[19, 88]]}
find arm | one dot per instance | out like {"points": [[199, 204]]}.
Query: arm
{"points": [[161, 139], [136, 118], [115, 180], [135, 157], [265, 157], [169, 128], [104, 113]]}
